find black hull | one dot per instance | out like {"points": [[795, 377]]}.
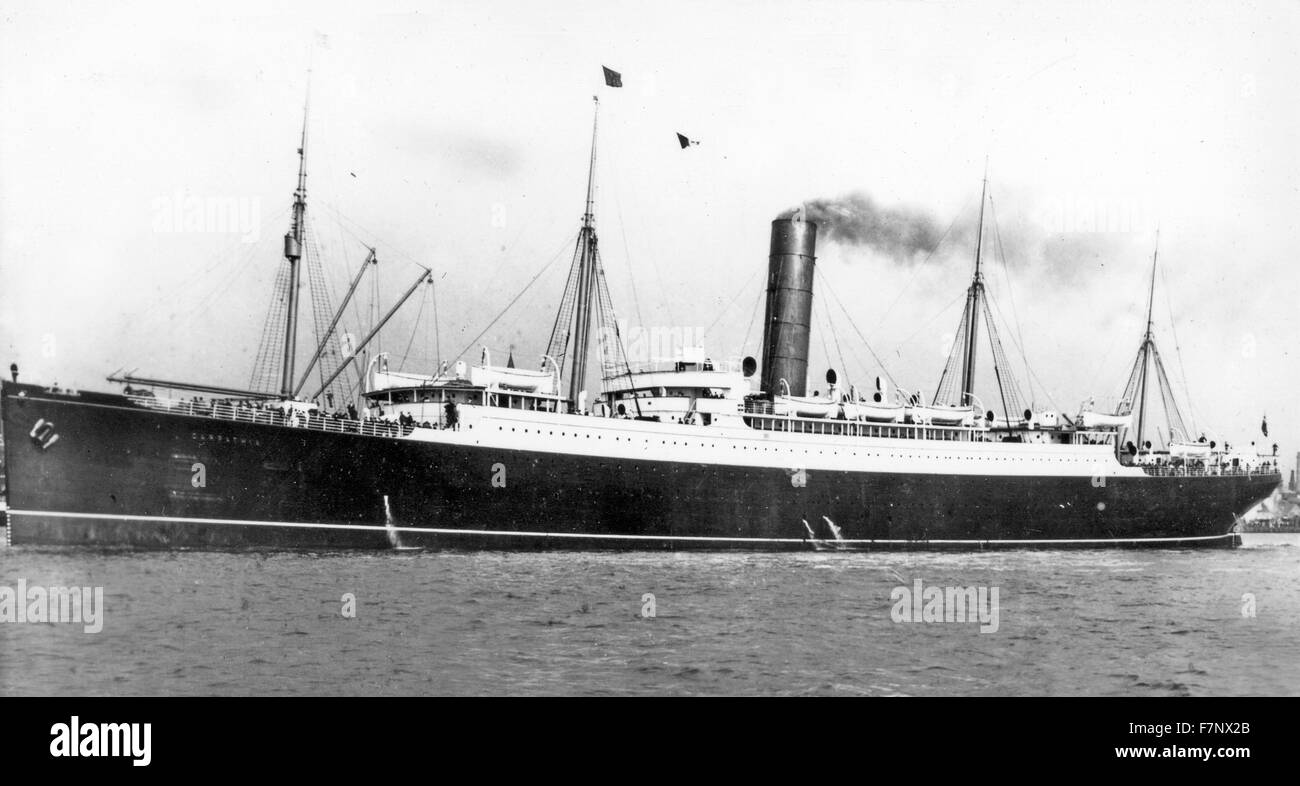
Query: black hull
{"points": [[123, 475]]}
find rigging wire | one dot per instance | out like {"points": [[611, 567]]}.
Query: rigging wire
{"points": [[1125, 392], [1101, 363], [1018, 337], [1028, 368], [960, 296], [407, 257], [1006, 377], [835, 338], [233, 275], [821, 334], [758, 301], [219, 265], [437, 329], [374, 310], [918, 268], [723, 311], [849, 316], [520, 294], [1178, 351], [415, 328], [322, 307], [388, 247], [627, 255], [374, 307], [947, 391], [611, 185]]}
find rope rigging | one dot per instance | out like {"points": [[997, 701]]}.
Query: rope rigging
{"points": [[415, 328], [515, 299], [723, 311], [918, 268], [1018, 337], [1178, 351], [884, 370], [753, 317]]}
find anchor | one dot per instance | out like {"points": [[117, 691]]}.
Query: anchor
{"points": [[43, 435]]}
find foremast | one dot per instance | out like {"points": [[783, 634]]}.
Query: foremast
{"points": [[293, 244]]}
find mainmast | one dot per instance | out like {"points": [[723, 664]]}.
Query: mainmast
{"points": [[587, 273], [957, 385], [574, 318], [1148, 366], [973, 298], [1148, 343], [293, 243]]}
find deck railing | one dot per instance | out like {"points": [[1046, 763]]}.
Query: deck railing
{"points": [[269, 415], [1214, 470], [857, 428]]}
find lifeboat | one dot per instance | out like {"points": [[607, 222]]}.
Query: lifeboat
{"points": [[940, 415], [1100, 420], [1190, 450], [805, 406], [877, 413]]}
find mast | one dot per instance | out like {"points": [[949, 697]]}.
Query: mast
{"points": [[973, 298], [1148, 343], [293, 242], [585, 276], [586, 293]]}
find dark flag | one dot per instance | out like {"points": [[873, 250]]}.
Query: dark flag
{"points": [[510, 361], [1263, 425], [612, 77], [684, 142]]}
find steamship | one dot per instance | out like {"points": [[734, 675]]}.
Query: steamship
{"points": [[688, 454]]}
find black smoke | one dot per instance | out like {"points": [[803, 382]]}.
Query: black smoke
{"points": [[902, 233]]}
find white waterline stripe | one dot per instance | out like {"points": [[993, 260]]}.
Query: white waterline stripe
{"points": [[593, 536], [385, 528]]}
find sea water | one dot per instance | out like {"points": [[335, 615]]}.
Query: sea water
{"points": [[1104, 622]]}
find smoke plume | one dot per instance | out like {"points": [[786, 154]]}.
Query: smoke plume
{"points": [[855, 219]]}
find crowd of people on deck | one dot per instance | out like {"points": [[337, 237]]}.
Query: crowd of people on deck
{"points": [[279, 413]]}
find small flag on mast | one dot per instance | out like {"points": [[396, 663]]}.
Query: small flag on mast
{"points": [[684, 142], [612, 77], [1263, 425]]}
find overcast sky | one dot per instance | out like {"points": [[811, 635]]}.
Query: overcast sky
{"points": [[456, 135]]}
